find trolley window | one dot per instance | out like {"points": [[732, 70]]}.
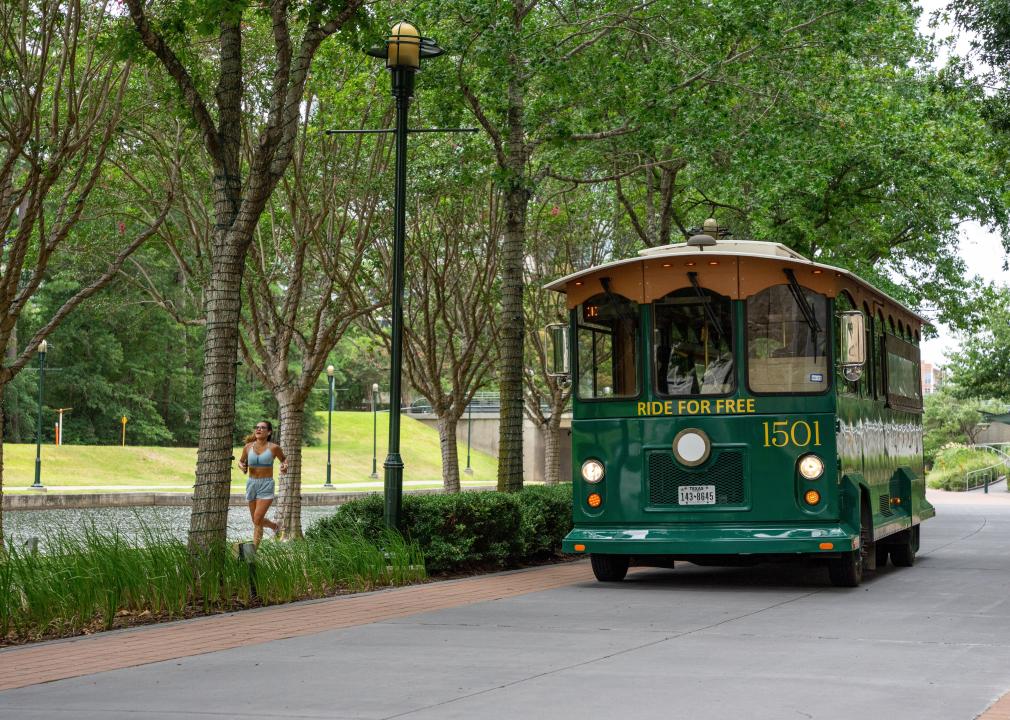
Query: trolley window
{"points": [[787, 340], [607, 340], [904, 390], [694, 343]]}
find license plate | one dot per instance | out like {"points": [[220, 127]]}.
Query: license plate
{"points": [[696, 495]]}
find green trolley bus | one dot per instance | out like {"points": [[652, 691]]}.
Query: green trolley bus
{"points": [[735, 402]]}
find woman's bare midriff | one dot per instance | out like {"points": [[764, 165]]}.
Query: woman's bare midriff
{"points": [[260, 473]]}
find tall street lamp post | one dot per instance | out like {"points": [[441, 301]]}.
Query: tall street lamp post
{"points": [[403, 52], [329, 428], [375, 425], [37, 485]]}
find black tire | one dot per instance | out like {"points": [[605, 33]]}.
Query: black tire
{"points": [[903, 549], [846, 571], [882, 552], [610, 568]]}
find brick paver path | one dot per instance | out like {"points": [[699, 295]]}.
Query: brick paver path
{"points": [[999, 710], [112, 651]]}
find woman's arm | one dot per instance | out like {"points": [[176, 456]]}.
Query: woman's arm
{"points": [[279, 454], [243, 461]]}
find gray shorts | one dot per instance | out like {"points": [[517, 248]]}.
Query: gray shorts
{"points": [[259, 489]]}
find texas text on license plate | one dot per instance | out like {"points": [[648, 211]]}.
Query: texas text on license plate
{"points": [[696, 495]]}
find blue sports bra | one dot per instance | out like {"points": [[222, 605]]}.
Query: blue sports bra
{"points": [[265, 459]]}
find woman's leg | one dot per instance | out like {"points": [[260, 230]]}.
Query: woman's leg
{"points": [[260, 518], [257, 530]]}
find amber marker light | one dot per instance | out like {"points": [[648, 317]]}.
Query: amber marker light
{"points": [[822, 546], [594, 500], [713, 262], [691, 264], [811, 497], [818, 272], [578, 283], [667, 264], [580, 548]]}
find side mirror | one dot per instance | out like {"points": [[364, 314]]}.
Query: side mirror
{"points": [[558, 364], [852, 331]]}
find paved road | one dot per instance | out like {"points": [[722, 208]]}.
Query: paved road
{"points": [[773, 642]]}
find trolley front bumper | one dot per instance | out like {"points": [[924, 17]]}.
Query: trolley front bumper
{"points": [[698, 539]]}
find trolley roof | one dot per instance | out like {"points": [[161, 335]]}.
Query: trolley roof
{"points": [[736, 268]]}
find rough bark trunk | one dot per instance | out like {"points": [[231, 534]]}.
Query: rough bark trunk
{"points": [[209, 520], [513, 334], [450, 454], [289, 497], [510, 439], [552, 449]]}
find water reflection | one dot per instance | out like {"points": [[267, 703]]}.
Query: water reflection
{"points": [[130, 522]]}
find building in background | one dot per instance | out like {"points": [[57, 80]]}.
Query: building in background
{"points": [[932, 377]]}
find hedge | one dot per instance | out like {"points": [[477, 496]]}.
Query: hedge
{"points": [[469, 530]]}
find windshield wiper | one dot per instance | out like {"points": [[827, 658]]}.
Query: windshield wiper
{"points": [[801, 300], [712, 318]]}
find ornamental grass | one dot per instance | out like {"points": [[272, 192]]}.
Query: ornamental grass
{"points": [[86, 581]]}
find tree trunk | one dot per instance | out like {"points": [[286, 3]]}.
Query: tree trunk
{"points": [[552, 449], [289, 496], [208, 523], [510, 438], [450, 454]]}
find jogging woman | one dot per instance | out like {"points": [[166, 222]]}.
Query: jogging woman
{"points": [[258, 461]]}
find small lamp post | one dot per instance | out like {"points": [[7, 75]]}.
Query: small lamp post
{"points": [[375, 426], [37, 485], [469, 429], [329, 428], [403, 51]]}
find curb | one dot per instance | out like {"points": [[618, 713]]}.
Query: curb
{"points": [[64, 501]]}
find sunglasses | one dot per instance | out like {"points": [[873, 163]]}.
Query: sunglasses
{"points": [[261, 427]]}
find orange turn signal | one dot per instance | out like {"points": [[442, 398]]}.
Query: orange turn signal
{"points": [[580, 548], [594, 500], [811, 497], [822, 546]]}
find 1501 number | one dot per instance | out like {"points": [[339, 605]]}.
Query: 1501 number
{"points": [[780, 433]]}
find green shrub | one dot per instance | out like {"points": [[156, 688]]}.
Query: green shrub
{"points": [[953, 462], [468, 530]]}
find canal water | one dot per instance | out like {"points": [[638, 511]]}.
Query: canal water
{"points": [[19, 525]]}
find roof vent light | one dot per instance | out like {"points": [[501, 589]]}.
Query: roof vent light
{"points": [[706, 238]]}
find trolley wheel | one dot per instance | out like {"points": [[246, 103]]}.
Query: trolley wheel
{"points": [[905, 545], [882, 551], [847, 570], [610, 568]]}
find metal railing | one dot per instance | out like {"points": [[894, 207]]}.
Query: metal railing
{"points": [[984, 477], [484, 401]]}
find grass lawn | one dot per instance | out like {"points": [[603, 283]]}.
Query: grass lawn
{"points": [[101, 468]]}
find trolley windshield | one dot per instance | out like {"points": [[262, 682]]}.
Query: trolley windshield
{"points": [[786, 340], [694, 343]]}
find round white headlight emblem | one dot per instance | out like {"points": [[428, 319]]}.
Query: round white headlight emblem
{"points": [[811, 467], [592, 471], [691, 447]]}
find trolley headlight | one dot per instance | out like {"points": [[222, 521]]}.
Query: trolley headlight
{"points": [[592, 471], [811, 467]]}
